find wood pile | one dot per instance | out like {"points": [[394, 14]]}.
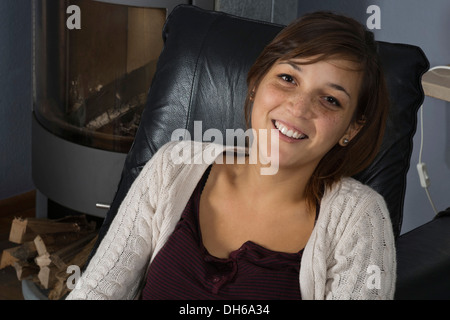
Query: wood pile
{"points": [[46, 248]]}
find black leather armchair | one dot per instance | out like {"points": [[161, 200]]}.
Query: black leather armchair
{"points": [[201, 76]]}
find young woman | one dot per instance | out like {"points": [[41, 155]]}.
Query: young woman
{"points": [[221, 230]]}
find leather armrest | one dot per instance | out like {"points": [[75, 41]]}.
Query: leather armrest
{"points": [[423, 261]]}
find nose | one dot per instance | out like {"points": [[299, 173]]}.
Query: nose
{"points": [[300, 106]]}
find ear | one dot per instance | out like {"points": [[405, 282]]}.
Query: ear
{"points": [[252, 94], [351, 132]]}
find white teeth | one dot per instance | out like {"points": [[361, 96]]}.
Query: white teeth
{"points": [[289, 132]]}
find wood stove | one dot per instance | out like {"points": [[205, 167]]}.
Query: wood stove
{"points": [[89, 89]]}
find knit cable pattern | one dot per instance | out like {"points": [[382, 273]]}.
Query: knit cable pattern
{"points": [[353, 235]]}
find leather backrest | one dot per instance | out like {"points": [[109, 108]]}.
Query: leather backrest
{"points": [[201, 76]]}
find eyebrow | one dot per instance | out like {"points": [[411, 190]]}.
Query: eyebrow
{"points": [[293, 65], [338, 87], [329, 84]]}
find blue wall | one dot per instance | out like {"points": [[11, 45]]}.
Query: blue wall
{"points": [[15, 97], [425, 24]]}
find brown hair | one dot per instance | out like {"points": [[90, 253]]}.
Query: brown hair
{"points": [[327, 35]]}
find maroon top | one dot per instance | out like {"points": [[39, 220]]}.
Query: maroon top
{"points": [[183, 269]]}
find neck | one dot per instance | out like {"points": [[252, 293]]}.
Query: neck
{"points": [[287, 184]]}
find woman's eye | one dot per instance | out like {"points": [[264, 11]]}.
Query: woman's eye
{"points": [[333, 101], [287, 78]]}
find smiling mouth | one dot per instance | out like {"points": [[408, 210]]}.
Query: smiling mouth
{"points": [[289, 132]]}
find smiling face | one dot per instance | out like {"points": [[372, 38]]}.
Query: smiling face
{"points": [[310, 105]]}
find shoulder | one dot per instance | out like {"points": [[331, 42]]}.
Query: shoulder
{"points": [[188, 152], [176, 161], [349, 192], [351, 187], [350, 205]]}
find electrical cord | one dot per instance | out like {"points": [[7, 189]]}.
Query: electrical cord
{"points": [[421, 167]]}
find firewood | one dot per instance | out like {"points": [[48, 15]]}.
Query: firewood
{"points": [[113, 113], [81, 220], [27, 229], [60, 288], [41, 246], [43, 260], [52, 263], [24, 252], [64, 255], [47, 277], [48, 243], [7, 259], [47, 247], [24, 269]]}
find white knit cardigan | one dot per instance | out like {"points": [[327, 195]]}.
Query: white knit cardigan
{"points": [[350, 254]]}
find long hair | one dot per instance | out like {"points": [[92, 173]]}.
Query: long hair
{"points": [[325, 35]]}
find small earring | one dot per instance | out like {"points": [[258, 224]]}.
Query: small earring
{"points": [[345, 141], [252, 95]]}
